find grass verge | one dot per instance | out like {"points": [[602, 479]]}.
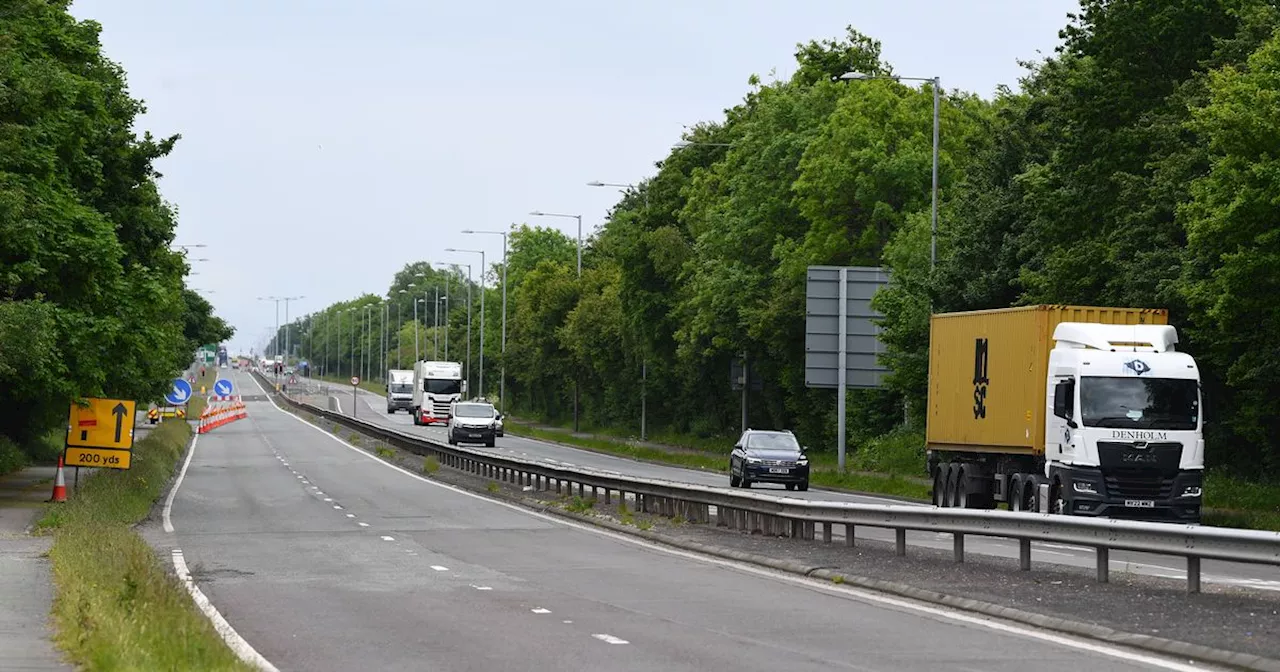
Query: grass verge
{"points": [[367, 385], [116, 607]]}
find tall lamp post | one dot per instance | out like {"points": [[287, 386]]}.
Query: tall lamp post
{"points": [[287, 341], [502, 379], [937, 105], [275, 337], [539, 213], [447, 306], [644, 357], [483, 270]]}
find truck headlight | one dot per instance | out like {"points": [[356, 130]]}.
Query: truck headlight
{"points": [[1191, 491], [1085, 487]]}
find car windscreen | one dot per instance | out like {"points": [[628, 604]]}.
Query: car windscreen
{"points": [[401, 388], [1138, 403], [442, 386], [473, 411], [772, 442]]}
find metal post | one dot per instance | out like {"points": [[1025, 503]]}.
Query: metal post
{"points": [[841, 361], [399, 324], [644, 381], [468, 325], [933, 240], [435, 327], [579, 245], [447, 305], [415, 327], [287, 352], [502, 381], [746, 383], [349, 311], [483, 269]]}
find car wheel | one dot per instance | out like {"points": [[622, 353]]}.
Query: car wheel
{"points": [[746, 482], [452, 441], [802, 487], [490, 443], [734, 481]]}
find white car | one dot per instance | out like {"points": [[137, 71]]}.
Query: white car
{"points": [[473, 422]]}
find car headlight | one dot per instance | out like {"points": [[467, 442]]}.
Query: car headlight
{"points": [[1084, 486], [753, 460], [802, 462], [1191, 491]]}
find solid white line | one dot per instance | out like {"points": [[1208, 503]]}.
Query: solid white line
{"points": [[182, 473], [813, 584], [234, 641], [610, 639], [438, 568]]}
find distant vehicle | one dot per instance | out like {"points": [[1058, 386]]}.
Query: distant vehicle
{"points": [[436, 387], [767, 456], [399, 390], [473, 422], [1077, 410]]}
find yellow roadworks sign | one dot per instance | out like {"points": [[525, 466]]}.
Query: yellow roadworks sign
{"points": [[100, 458], [103, 423]]}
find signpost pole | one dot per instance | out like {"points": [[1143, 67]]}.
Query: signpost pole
{"points": [[840, 366]]}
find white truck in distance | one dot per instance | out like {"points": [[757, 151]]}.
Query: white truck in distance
{"points": [[399, 390], [436, 386]]}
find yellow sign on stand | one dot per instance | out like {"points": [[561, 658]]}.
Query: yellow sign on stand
{"points": [[100, 433]]}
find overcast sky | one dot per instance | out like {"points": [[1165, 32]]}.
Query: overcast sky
{"points": [[326, 143]]}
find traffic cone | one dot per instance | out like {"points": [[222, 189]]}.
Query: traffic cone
{"points": [[59, 485]]}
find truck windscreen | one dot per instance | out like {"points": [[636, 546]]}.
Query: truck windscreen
{"points": [[1136, 403], [442, 386]]}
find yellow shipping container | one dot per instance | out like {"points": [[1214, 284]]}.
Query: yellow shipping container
{"points": [[987, 371]]}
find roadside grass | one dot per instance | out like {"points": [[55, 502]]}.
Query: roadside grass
{"points": [[892, 464], [116, 607], [430, 464]]}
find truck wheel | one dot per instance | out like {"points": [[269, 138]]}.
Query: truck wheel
{"points": [[1016, 493], [940, 485], [1057, 504], [952, 484], [963, 498]]}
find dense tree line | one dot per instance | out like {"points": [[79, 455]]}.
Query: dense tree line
{"points": [[92, 300], [1136, 166]]}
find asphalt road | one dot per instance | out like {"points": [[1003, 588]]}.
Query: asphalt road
{"points": [[324, 558], [1262, 577]]}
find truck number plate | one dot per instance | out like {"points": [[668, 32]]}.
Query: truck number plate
{"points": [[1140, 503], [779, 470]]}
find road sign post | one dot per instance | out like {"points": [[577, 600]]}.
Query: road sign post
{"points": [[841, 337], [100, 434], [355, 388]]}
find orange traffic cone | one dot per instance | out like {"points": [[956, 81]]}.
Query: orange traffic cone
{"points": [[59, 485]]}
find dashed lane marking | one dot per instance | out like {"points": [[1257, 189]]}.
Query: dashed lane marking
{"points": [[540, 610], [363, 524], [386, 538], [610, 639], [439, 568]]}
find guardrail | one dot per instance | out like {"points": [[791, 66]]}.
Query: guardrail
{"points": [[798, 518]]}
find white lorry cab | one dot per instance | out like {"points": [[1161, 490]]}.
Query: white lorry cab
{"points": [[399, 390], [436, 386]]}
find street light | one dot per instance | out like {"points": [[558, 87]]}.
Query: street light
{"points": [[483, 270], [644, 358], [447, 306], [275, 345], [539, 213], [287, 330], [502, 380], [937, 104]]}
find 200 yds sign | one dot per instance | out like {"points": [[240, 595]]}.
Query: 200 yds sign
{"points": [[98, 458]]}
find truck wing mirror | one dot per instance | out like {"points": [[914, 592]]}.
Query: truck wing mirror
{"points": [[1064, 399]]}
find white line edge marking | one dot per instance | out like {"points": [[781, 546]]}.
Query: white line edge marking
{"points": [[182, 473], [814, 584], [610, 639], [243, 650]]}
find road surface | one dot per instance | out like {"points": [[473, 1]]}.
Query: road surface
{"points": [[324, 558]]}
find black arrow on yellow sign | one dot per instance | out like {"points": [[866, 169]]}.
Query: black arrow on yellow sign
{"points": [[119, 411]]}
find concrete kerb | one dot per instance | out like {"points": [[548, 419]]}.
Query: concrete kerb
{"points": [[1169, 647]]}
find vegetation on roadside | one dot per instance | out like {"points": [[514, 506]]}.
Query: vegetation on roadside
{"points": [[116, 607], [345, 383], [93, 301]]}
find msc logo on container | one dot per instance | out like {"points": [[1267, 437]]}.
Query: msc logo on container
{"points": [[980, 378]]}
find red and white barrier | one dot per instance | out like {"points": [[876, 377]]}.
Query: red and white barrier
{"points": [[215, 416]]}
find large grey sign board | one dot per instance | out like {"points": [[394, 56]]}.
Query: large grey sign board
{"points": [[822, 334]]}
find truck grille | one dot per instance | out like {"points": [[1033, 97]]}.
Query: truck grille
{"points": [[1138, 484], [441, 408]]}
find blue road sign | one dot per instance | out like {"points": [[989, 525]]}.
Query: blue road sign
{"points": [[180, 393], [222, 387]]}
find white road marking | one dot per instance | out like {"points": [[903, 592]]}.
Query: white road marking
{"points": [[540, 610], [363, 524], [568, 621], [439, 568], [328, 499], [351, 515], [610, 639], [386, 538], [810, 583], [481, 587], [337, 507], [168, 501], [234, 641]]}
